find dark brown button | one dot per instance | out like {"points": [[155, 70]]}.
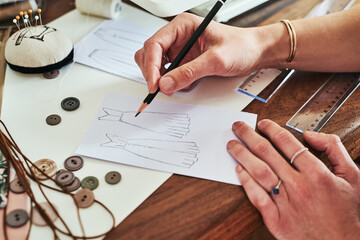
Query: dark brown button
{"points": [[90, 182], [16, 186], [84, 198], [70, 103], [52, 74], [65, 178], [74, 185], [37, 219], [46, 166], [113, 177], [74, 163], [17, 218], [53, 119], [60, 171]]}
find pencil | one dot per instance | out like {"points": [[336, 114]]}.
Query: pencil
{"points": [[190, 43]]}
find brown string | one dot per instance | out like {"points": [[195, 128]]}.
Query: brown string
{"points": [[16, 159]]}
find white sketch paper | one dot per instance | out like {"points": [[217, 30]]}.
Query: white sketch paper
{"points": [[175, 124], [111, 47], [148, 141]]}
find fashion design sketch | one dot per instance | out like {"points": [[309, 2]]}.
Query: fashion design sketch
{"points": [[111, 47], [170, 124], [176, 153]]}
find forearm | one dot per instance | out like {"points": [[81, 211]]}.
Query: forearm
{"points": [[329, 43]]}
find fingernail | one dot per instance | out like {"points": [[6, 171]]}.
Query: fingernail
{"points": [[261, 123], [238, 168], [236, 125], [230, 144], [168, 84]]}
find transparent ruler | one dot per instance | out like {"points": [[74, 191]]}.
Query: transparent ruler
{"points": [[271, 79], [315, 113]]}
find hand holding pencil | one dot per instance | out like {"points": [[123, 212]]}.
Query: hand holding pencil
{"points": [[146, 61]]}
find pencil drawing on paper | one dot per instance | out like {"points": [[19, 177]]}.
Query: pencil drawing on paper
{"points": [[176, 153], [170, 124], [119, 36]]}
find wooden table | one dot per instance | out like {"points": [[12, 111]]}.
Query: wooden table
{"points": [[191, 208]]}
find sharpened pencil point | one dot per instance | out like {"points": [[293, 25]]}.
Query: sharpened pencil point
{"points": [[137, 114]]}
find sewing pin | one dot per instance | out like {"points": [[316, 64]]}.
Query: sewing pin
{"points": [[30, 12], [15, 21], [27, 19], [39, 11], [18, 20], [36, 19]]}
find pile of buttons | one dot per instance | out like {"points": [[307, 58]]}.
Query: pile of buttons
{"points": [[66, 179]]}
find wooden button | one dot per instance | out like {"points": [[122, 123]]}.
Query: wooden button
{"points": [[38, 220], [113, 177], [16, 186], [17, 218], [70, 103], [53, 119], [52, 74], [90, 182], [74, 163], [74, 185], [65, 178], [84, 198], [47, 166]]}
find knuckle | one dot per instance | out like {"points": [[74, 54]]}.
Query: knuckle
{"points": [[334, 139], [261, 147], [187, 73], [138, 56], [282, 137], [262, 173], [320, 177], [148, 43], [261, 203]]}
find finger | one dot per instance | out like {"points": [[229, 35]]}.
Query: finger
{"points": [[259, 170], [258, 196], [263, 149], [152, 63], [289, 145], [186, 74], [335, 151]]}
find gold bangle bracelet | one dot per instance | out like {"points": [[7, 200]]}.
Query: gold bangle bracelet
{"points": [[292, 35]]}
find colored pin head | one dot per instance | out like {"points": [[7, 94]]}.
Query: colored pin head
{"points": [[21, 13], [39, 10], [17, 17], [30, 11]]}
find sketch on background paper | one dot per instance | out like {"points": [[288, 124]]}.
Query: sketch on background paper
{"points": [[111, 47], [120, 36], [176, 153], [171, 124], [119, 62]]}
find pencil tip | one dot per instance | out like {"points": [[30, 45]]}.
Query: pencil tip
{"points": [[137, 114]]}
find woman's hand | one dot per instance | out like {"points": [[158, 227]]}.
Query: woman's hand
{"points": [[313, 202], [220, 50]]}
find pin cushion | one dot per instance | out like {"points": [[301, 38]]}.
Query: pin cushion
{"points": [[38, 49]]}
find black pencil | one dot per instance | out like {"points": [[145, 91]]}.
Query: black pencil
{"points": [[184, 50]]}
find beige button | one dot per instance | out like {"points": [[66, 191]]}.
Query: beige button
{"points": [[37, 219], [84, 198], [16, 186], [47, 166]]}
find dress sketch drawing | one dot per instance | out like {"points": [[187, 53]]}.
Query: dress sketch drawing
{"points": [[176, 153], [170, 124]]}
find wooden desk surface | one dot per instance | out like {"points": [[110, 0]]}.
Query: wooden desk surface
{"points": [[190, 208]]}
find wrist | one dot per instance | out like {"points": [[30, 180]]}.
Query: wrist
{"points": [[274, 44]]}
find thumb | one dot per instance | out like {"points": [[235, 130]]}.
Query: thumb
{"points": [[185, 74], [343, 166]]}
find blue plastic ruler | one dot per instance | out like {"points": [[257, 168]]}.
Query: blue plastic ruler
{"points": [[315, 113]]}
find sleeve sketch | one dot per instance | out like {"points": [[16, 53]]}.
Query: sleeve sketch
{"points": [[176, 153], [120, 62], [171, 124]]}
